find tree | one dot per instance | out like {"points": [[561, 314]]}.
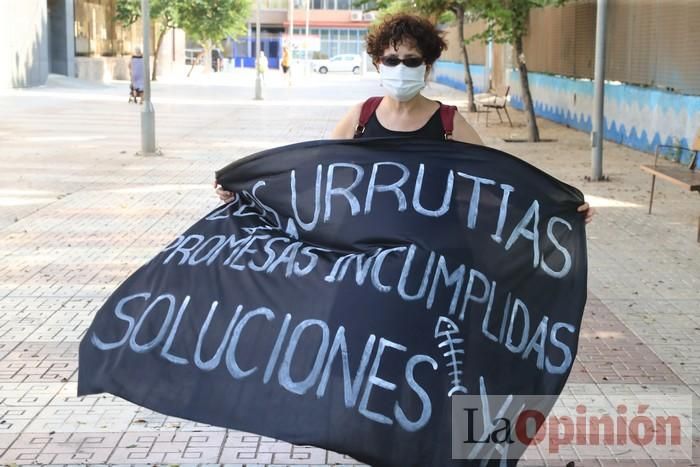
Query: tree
{"points": [[209, 21], [163, 11], [437, 9], [388, 7], [506, 22]]}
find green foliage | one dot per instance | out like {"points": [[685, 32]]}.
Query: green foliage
{"points": [[202, 20], [127, 11], [396, 7], [441, 11], [506, 20], [209, 21], [386, 7], [438, 11], [165, 11]]}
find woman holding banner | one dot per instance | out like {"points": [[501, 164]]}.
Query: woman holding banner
{"points": [[403, 49]]}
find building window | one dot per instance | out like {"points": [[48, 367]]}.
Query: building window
{"points": [[335, 41], [332, 5]]}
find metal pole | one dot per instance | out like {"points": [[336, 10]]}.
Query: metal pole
{"points": [[291, 36], [291, 21], [489, 66], [148, 116], [306, 49], [258, 71], [598, 100]]}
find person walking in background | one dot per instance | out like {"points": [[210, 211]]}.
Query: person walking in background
{"points": [[285, 60], [217, 59], [286, 65], [136, 75], [261, 65]]}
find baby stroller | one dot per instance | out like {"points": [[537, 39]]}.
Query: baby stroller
{"points": [[135, 95]]}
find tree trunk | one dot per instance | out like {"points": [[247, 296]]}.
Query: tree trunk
{"points": [[533, 132], [159, 42], [208, 45], [195, 59], [468, 81]]}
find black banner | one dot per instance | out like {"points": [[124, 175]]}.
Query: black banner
{"points": [[347, 292]]}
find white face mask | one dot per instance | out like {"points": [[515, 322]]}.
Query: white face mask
{"points": [[401, 82]]}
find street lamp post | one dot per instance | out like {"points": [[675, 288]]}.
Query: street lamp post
{"points": [[599, 97], [290, 16], [258, 71], [307, 65], [148, 116]]}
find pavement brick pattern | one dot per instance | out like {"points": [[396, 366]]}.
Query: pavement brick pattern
{"points": [[79, 212]]}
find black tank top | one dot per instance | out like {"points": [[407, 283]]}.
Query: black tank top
{"points": [[431, 130]]}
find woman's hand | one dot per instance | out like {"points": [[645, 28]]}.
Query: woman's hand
{"points": [[590, 212], [225, 196]]}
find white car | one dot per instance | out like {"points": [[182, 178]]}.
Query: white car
{"points": [[344, 62]]}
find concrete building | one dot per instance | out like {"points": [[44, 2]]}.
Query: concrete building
{"points": [[77, 38], [34, 41], [103, 46], [334, 27]]}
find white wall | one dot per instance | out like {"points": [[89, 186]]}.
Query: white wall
{"points": [[24, 54], [166, 64]]}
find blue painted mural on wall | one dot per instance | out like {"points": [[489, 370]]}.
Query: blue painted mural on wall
{"points": [[452, 74], [637, 117]]}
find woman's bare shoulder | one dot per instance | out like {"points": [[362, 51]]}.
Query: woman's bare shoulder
{"points": [[345, 128], [464, 132]]}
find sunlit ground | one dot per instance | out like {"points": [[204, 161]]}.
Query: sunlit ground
{"points": [[15, 197], [599, 202]]}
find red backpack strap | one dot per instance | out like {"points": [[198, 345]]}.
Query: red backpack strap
{"points": [[447, 115], [368, 108]]}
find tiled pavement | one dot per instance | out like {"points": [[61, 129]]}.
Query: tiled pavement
{"points": [[78, 213]]}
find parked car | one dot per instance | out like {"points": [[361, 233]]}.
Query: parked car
{"points": [[344, 62]]}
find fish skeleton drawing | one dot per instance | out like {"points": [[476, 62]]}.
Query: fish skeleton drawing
{"points": [[446, 328]]}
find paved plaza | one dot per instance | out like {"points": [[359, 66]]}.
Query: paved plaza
{"points": [[79, 212]]}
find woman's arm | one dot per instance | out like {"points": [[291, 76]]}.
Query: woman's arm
{"points": [[345, 129]]}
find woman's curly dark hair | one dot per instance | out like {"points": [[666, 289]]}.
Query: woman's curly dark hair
{"points": [[410, 29]]}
